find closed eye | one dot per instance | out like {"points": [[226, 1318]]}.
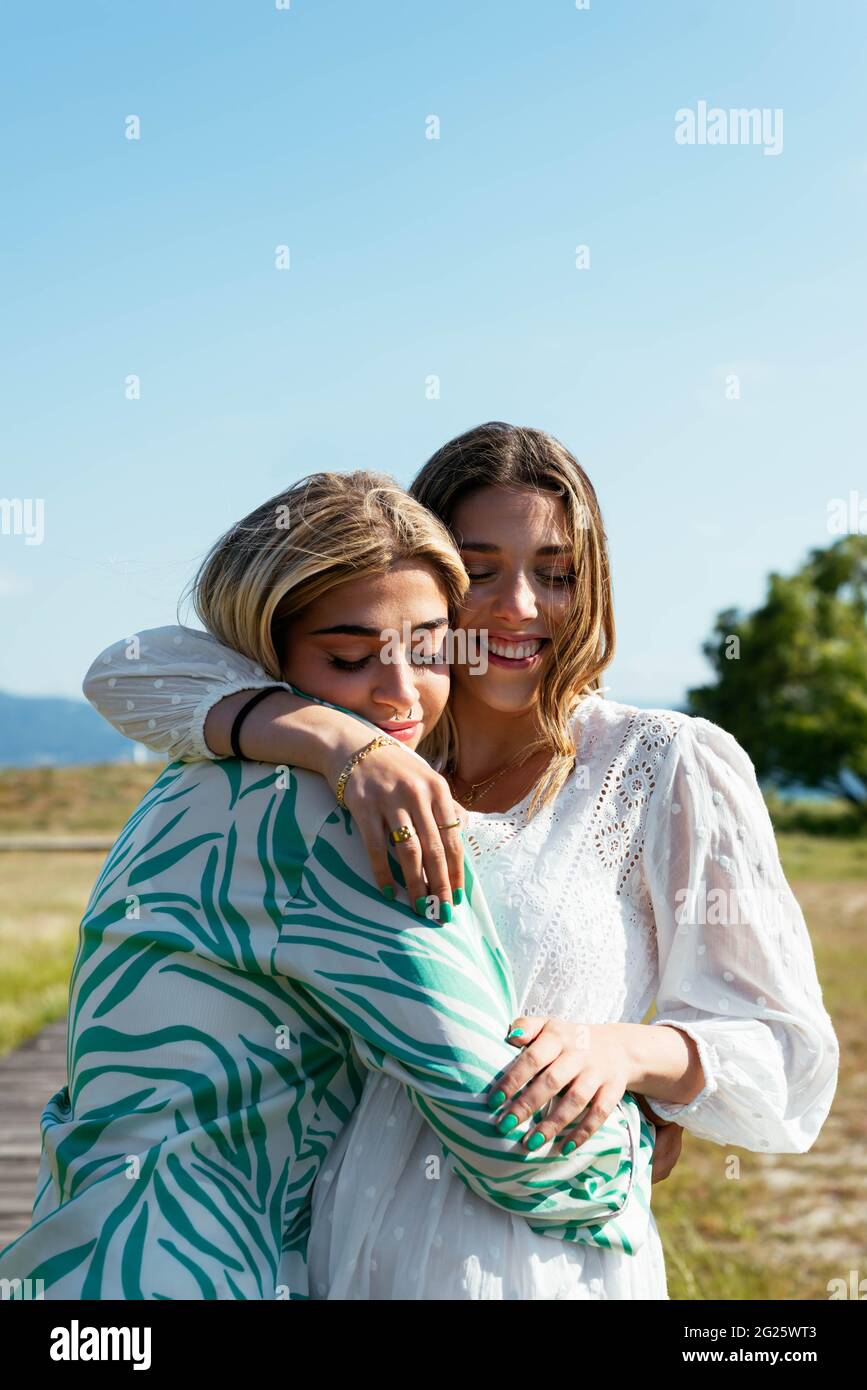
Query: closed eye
{"points": [[341, 665], [551, 577]]}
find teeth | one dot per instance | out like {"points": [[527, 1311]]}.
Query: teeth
{"points": [[515, 650]]}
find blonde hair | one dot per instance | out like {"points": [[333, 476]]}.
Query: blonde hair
{"points": [[326, 529], [507, 456]]}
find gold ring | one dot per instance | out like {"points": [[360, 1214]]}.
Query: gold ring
{"points": [[401, 835], [451, 825]]}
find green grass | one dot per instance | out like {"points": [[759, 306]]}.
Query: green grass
{"points": [[813, 817], [43, 900], [789, 1222], [823, 858], [44, 895]]}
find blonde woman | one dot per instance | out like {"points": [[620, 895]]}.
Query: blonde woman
{"points": [[239, 971], [598, 830]]}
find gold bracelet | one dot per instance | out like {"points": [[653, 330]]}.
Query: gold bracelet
{"points": [[353, 764]]}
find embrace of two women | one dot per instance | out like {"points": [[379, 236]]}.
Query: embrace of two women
{"points": [[358, 1005]]}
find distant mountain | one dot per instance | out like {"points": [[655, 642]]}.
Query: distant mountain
{"points": [[35, 730]]}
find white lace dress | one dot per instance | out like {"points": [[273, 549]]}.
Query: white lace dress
{"points": [[653, 875]]}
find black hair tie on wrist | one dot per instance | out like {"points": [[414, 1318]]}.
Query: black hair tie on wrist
{"points": [[242, 715]]}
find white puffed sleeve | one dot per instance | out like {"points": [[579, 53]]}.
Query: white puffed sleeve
{"points": [[157, 687], [737, 971]]}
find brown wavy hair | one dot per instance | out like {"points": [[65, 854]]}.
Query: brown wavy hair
{"points": [[501, 455]]}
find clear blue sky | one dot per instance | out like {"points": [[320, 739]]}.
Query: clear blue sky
{"points": [[412, 257]]}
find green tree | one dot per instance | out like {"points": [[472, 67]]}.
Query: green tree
{"points": [[791, 678]]}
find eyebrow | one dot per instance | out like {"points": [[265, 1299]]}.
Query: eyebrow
{"points": [[484, 548], [354, 630]]}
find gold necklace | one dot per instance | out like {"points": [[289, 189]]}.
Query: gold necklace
{"points": [[488, 782]]}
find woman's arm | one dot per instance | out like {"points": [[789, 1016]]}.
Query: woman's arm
{"points": [[159, 686], [178, 691], [432, 1010], [737, 972]]}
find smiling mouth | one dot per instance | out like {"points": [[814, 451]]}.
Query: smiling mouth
{"points": [[516, 655], [516, 651]]}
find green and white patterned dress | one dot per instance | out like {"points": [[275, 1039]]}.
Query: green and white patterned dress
{"points": [[238, 971]]}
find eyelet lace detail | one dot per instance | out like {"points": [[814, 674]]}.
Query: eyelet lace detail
{"points": [[565, 889]]}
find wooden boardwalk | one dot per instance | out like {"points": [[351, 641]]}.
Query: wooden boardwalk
{"points": [[28, 1078]]}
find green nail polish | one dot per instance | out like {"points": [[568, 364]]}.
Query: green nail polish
{"points": [[446, 912], [420, 905], [508, 1124], [496, 1100], [388, 892], [536, 1140], [517, 1033], [567, 1148], [458, 896]]}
